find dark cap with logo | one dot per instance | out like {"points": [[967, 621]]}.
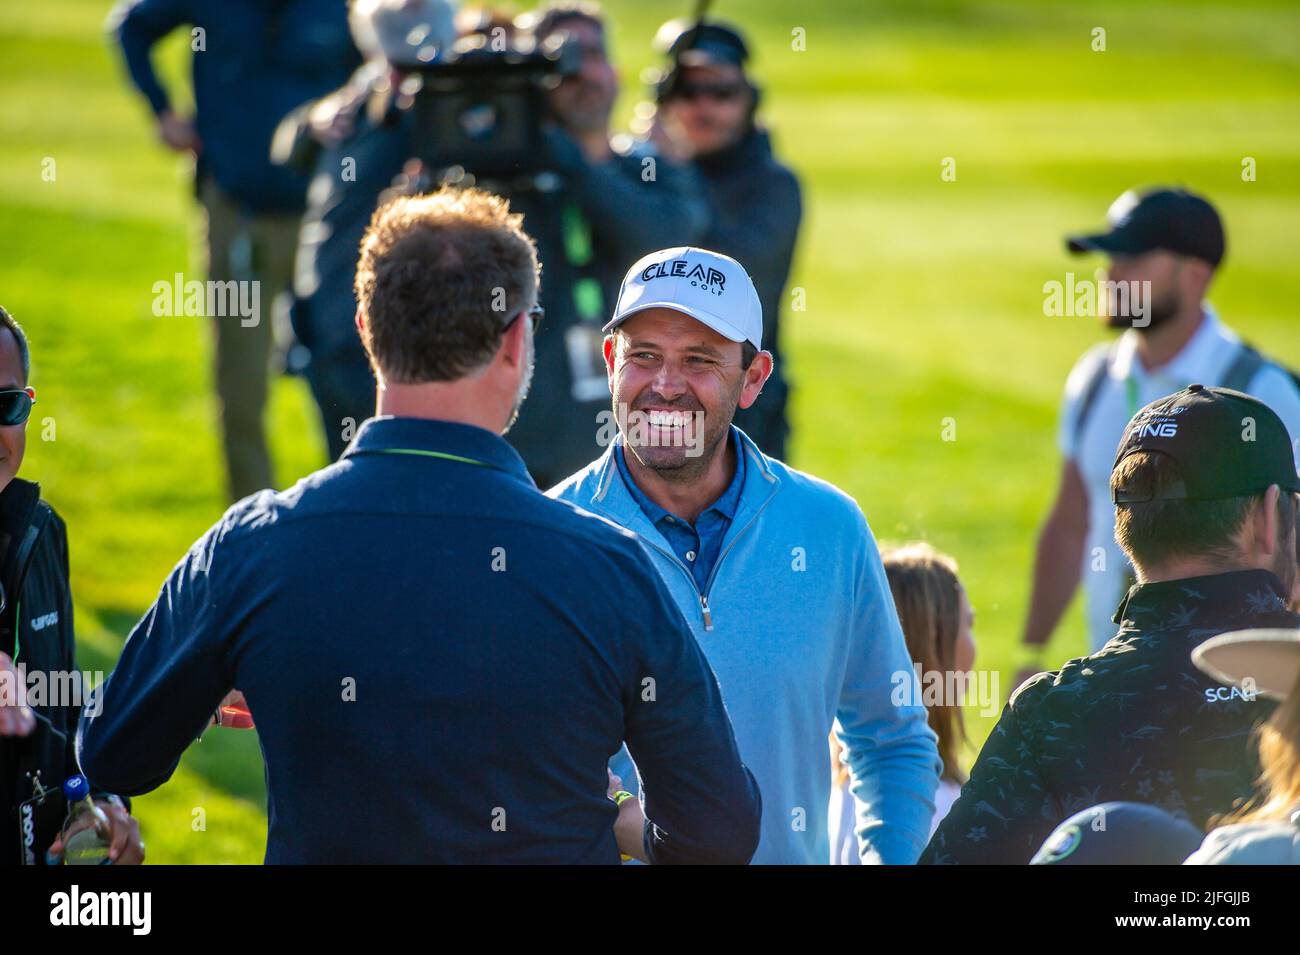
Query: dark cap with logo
{"points": [[1120, 833], [1228, 445], [1171, 219]]}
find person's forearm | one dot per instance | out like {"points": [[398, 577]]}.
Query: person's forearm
{"points": [[897, 791], [118, 756], [718, 826], [629, 829], [136, 48], [293, 145], [1057, 569], [169, 678]]}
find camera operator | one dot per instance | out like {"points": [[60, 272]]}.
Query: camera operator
{"points": [[592, 209], [353, 143], [706, 109]]}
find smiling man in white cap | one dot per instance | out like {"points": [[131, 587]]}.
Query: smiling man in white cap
{"points": [[776, 571]]}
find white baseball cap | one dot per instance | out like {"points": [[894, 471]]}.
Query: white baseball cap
{"points": [[710, 287], [1269, 657]]}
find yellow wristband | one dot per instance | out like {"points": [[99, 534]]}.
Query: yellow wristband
{"points": [[619, 798]]}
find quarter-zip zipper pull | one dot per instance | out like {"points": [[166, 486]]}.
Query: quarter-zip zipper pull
{"points": [[708, 616]]}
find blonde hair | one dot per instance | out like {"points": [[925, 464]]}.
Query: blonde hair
{"points": [[927, 595], [1278, 796]]}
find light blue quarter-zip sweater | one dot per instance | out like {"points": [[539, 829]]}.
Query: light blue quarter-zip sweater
{"points": [[798, 623]]}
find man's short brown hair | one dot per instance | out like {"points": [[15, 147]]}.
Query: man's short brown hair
{"points": [[1155, 531], [438, 277]]}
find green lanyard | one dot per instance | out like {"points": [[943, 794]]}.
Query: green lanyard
{"points": [[420, 452], [1131, 388]]}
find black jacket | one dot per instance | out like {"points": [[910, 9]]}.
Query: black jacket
{"points": [[34, 566], [756, 209], [1134, 722]]}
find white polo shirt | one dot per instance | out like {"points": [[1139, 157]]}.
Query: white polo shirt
{"points": [[1126, 388]]}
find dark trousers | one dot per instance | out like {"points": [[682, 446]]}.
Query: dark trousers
{"points": [[244, 247]]}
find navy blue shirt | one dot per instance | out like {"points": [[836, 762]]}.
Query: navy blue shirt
{"points": [[259, 59], [436, 666], [696, 546]]}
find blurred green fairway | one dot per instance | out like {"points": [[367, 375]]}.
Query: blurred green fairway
{"points": [[924, 297]]}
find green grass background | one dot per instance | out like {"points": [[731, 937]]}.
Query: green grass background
{"points": [[924, 297]]}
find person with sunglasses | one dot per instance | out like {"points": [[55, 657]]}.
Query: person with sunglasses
{"points": [[37, 751], [706, 115]]}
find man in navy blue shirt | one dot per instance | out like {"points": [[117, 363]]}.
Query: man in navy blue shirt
{"points": [[253, 61], [439, 660]]}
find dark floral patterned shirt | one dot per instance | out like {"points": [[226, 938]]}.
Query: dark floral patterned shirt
{"points": [[1135, 721]]}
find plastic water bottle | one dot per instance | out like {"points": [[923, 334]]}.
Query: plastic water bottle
{"points": [[86, 828]]}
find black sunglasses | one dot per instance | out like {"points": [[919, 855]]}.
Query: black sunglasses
{"points": [[535, 315], [15, 406], [722, 92]]}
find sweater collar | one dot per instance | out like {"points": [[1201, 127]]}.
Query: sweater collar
{"points": [[725, 505], [613, 499], [389, 434]]}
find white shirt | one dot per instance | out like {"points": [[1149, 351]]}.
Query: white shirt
{"points": [[1205, 358], [842, 819]]}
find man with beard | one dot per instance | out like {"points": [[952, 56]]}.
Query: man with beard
{"points": [[707, 106], [1165, 246], [1205, 492], [776, 571], [415, 628]]}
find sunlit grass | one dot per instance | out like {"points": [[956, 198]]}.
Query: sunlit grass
{"points": [[924, 297]]}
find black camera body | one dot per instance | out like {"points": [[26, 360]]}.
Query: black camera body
{"points": [[480, 109]]}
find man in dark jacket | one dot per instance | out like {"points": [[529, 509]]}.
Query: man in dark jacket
{"points": [[420, 635], [1205, 491], [253, 61], [707, 105], [592, 210], [40, 686]]}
